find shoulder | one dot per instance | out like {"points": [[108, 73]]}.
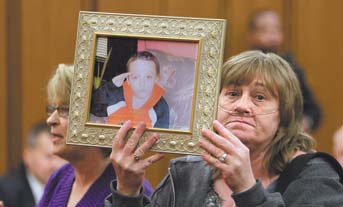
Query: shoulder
{"points": [[60, 174], [162, 102], [109, 87], [323, 165], [312, 167], [161, 107], [11, 186], [56, 181], [14, 179], [317, 183], [65, 169]]}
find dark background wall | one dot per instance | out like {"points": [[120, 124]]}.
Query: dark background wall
{"points": [[37, 35]]}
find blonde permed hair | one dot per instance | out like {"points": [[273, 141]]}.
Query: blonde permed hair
{"points": [[282, 82], [59, 86]]}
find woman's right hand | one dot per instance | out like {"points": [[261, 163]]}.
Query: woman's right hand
{"points": [[126, 158]]}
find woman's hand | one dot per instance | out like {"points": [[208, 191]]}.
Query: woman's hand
{"points": [[235, 167], [126, 158]]}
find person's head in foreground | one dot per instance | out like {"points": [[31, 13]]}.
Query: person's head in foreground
{"points": [[144, 72], [257, 134]]}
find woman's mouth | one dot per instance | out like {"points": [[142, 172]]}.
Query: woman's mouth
{"points": [[240, 122]]}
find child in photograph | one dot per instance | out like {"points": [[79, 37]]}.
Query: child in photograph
{"points": [[138, 97]]}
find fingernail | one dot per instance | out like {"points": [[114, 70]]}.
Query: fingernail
{"points": [[141, 125], [155, 136], [128, 122]]}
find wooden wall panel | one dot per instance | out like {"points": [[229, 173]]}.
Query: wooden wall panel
{"points": [[14, 81], [151, 7], [194, 8], [48, 38], [318, 44], [3, 89]]}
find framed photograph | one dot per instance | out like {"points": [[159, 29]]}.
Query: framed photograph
{"points": [[161, 70]]}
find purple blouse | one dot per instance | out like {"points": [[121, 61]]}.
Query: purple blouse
{"points": [[58, 188]]}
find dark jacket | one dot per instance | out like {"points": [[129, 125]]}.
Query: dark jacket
{"points": [[189, 178], [15, 190]]}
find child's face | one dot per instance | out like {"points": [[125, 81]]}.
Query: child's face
{"points": [[142, 77]]}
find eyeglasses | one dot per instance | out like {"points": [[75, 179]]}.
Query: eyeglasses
{"points": [[63, 111]]}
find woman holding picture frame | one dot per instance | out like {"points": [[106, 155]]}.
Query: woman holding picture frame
{"points": [[83, 181], [257, 154]]}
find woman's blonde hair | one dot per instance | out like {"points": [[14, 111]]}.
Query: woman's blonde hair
{"points": [[59, 89], [281, 81], [59, 86]]}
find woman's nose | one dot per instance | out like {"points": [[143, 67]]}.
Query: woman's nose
{"points": [[243, 104], [53, 118]]}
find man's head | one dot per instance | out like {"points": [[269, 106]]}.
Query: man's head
{"points": [[338, 145], [265, 31], [144, 71], [38, 157]]}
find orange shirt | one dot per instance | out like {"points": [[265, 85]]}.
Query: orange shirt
{"points": [[136, 115]]}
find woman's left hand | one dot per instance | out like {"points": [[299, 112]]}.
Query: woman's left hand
{"points": [[235, 167]]}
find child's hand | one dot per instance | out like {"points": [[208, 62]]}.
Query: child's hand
{"points": [[119, 79], [167, 76]]}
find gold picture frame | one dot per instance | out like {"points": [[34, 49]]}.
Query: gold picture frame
{"points": [[189, 53]]}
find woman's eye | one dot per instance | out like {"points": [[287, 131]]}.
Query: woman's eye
{"points": [[260, 97], [232, 93]]}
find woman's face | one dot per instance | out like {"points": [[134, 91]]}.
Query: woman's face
{"points": [[250, 112], [58, 120]]}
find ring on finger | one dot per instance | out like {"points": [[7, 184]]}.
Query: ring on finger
{"points": [[222, 158], [136, 157]]}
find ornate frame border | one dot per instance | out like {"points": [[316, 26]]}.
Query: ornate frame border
{"points": [[209, 32]]}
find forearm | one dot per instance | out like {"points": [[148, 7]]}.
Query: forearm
{"points": [[259, 197], [303, 192]]}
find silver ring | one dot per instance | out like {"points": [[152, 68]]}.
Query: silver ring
{"points": [[222, 158], [137, 158]]}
